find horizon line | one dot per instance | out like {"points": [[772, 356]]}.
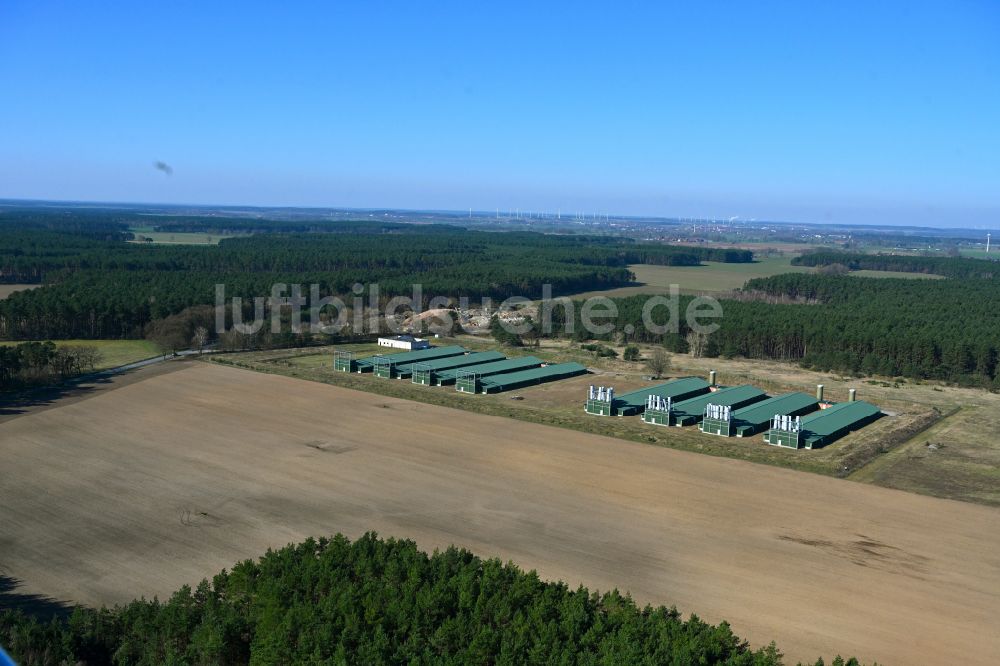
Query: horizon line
{"points": [[605, 218]]}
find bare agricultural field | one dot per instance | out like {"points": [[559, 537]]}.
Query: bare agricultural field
{"points": [[8, 289], [158, 483]]}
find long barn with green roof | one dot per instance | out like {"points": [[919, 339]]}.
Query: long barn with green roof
{"points": [[755, 418], [820, 428], [515, 380], [635, 402], [425, 372], [344, 361], [690, 412], [467, 379]]}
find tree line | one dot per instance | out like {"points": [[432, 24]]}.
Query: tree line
{"points": [[29, 254], [378, 601], [923, 329], [953, 267]]}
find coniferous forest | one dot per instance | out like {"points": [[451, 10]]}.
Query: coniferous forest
{"points": [[953, 267], [373, 601], [923, 329], [97, 284]]}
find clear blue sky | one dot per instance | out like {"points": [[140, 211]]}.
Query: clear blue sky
{"points": [[850, 112]]}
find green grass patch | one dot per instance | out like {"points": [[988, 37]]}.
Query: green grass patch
{"points": [[177, 238], [980, 253], [113, 352], [712, 277]]}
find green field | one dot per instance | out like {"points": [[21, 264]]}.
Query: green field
{"points": [[715, 278], [712, 277], [113, 352], [177, 238], [980, 253]]}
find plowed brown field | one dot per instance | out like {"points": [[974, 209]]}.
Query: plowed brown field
{"points": [[142, 488]]}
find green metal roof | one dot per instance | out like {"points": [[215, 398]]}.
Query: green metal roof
{"points": [[677, 390], [761, 413], [511, 380], [837, 419], [451, 362], [419, 355], [495, 368], [369, 361], [734, 396]]}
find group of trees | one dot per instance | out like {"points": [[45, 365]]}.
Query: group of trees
{"points": [[379, 601], [657, 361], [31, 363], [953, 267], [190, 328]]}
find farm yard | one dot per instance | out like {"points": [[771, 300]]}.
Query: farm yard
{"points": [[959, 464], [160, 482]]}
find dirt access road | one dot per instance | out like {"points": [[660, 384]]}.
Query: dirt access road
{"points": [[162, 482]]}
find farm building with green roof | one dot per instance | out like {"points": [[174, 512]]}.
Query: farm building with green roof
{"points": [[425, 372], [385, 365], [827, 425], [515, 380], [635, 402], [755, 418], [467, 380], [692, 411]]}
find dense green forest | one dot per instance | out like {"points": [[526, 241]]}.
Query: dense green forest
{"points": [[97, 285], [953, 267], [373, 601], [939, 329]]}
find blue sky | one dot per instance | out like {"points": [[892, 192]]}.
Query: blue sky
{"points": [[846, 112]]}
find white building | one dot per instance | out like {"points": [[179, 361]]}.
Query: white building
{"points": [[407, 342]]}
